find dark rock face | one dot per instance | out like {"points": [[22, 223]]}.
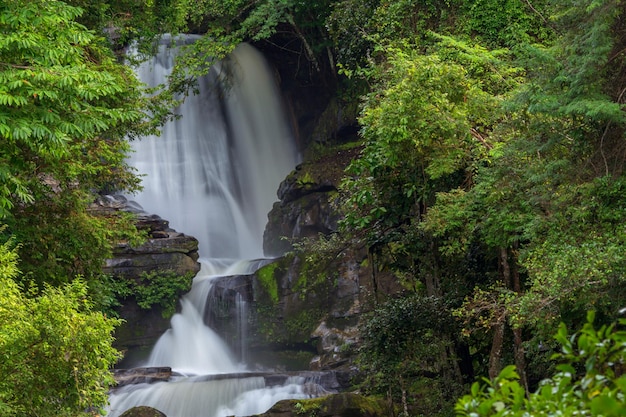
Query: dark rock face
{"points": [[308, 201], [165, 251], [142, 411], [323, 302]]}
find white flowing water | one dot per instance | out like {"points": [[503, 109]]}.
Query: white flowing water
{"points": [[213, 174]]}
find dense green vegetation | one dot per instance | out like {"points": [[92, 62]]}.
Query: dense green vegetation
{"points": [[490, 183], [56, 350], [66, 109], [588, 380]]}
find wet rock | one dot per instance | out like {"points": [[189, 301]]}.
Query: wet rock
{"points": [[309, 201], [141, 375], [165, 252], [142, 411]]}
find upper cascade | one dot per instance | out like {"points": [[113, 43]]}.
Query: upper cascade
{"points": [[214, 172]]}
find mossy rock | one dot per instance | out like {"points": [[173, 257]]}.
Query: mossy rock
{"points": [[142, 411], [336, 405]]}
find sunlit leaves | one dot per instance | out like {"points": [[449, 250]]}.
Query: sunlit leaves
{"points": [[588, 380], [55, 352], [57, 87], [66, 108], [427, 121]]}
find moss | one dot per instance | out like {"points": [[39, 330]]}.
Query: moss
{"points": [[267, 278], [301, 325], [305, 179], [343, 405], [266, 316]]}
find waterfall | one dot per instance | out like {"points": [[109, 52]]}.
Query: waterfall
{"points": [[213, 174]]}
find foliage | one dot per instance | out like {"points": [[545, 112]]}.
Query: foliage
{"points": [[506, 23], [162, 288], [225, 24], [549, 189], [361, 29], [509, 159], [56, 351], [426, 128], [589, 380], [66, 108], [544, 201], [61, 90], [407, 353], [422, 127]]}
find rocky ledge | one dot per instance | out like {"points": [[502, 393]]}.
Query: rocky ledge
{"points": [[165, 252], [141, 375]]}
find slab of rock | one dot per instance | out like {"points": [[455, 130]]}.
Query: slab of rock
{"points": [[165, 252], [142, 375]]}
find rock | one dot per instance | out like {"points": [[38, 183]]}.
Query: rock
{"points": [[334, 405], [141, 375], [165, 252], [142, 411], [308, 202]]}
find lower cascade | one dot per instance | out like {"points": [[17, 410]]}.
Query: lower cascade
{"points": [[213, 174]]}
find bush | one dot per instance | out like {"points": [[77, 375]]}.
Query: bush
{"points": [[589, 380]]}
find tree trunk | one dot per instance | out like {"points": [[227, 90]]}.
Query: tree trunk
{"points": [[405, 405], [510, 276], [495, 355], [520, 360], [371, 261]]}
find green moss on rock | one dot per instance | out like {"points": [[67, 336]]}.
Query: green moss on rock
{"points": [[336, 405], [267, 278]]}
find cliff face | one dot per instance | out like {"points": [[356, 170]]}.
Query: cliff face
{"points": [[303, 313]]}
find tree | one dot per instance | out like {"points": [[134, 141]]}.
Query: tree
{"points": [[408, 354], [546, 199], [426, 130], [294, 26], [66, 109], [56, 351]]}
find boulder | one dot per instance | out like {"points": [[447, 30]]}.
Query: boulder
{"points": [[142, 411], [164, 250], [308, 201]]}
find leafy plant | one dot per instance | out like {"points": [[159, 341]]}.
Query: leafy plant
{"points": [[407, 354], [162, 288], [56, 351], [67, 108], [589, 380]]}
